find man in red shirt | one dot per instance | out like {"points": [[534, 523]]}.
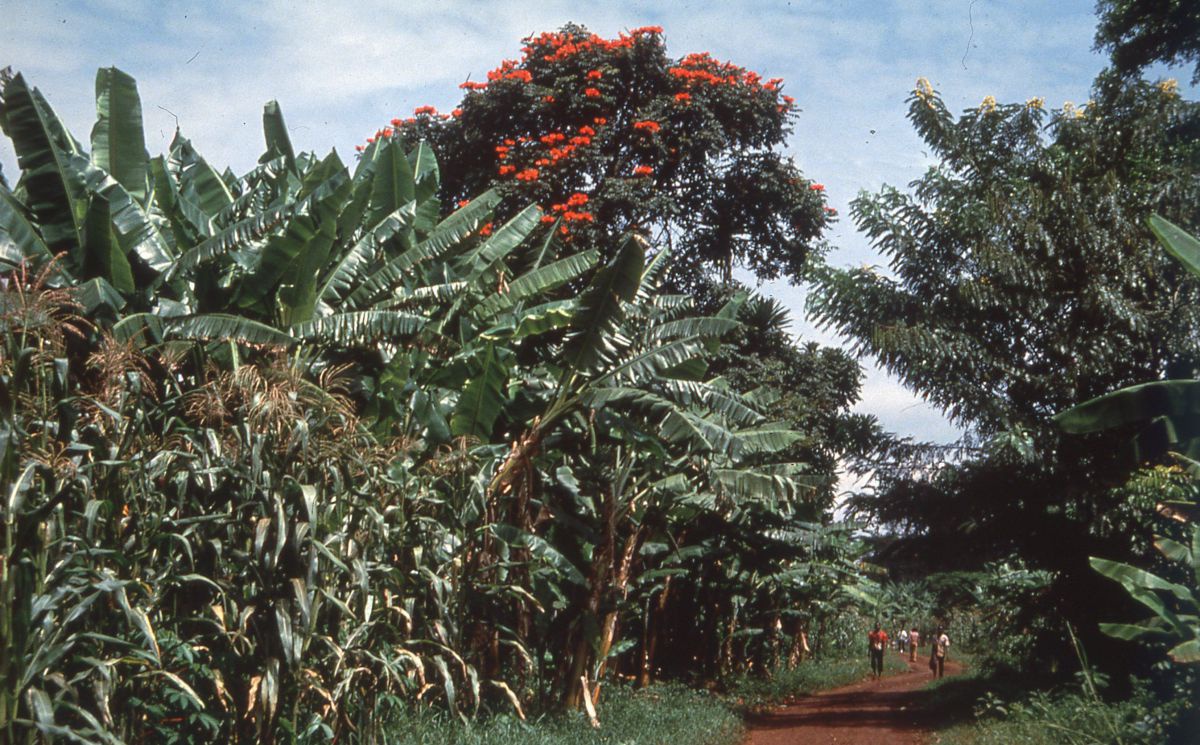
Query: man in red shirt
{"points": [[877, 642]]}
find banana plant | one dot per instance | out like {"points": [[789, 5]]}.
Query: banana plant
{"points": [[1168, 416]]}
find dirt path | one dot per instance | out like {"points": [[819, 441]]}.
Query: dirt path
{"points": [[868, 713]]}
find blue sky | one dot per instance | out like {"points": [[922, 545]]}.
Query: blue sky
{"points": [[341, 69]]}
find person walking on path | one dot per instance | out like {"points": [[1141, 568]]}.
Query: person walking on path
{"points": [[941, 644], [877, 642], [914, 641], [903, 640]]}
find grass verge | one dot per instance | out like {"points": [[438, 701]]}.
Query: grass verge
{"points": [[974, 709], [661, 715], [753, 693]]}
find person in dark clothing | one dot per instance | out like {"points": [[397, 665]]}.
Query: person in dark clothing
{"points": [[877, 642]]}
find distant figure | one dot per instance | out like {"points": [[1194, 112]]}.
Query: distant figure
{"points": [[877, 642], [914, 641], [941, 644], [903, 640]]}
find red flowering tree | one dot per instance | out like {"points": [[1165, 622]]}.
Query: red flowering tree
{"points": [[609, 135]]}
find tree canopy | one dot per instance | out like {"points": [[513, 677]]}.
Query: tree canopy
{"points": [[610, 135], [1140, 32]]}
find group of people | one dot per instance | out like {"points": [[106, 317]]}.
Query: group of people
{"points": [[908, 641]]}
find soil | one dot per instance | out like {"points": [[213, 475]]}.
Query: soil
{"points": [[874, 712]]}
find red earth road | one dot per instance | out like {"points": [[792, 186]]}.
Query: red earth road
{"points": [[868, 713]]}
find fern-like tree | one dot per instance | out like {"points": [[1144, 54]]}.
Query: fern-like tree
{"points": [[1023, 279]]}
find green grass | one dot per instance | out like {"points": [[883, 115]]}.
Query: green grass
{"points": [[975, 709], [810, 676], [662, 715]]}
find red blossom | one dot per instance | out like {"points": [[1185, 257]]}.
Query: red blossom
{"points": [[505, 170], [643, 171], [591, 93], [529, 174], [424, 110], [594, 75], [578, 199], [548, 99], [581, 141], [587, 131], [396, 122], [486, 230], [817, 187], [648, 126], [456, 113], [471, 85], [542, 162], [683, 97], [646, 30], [600, 121], [548, 218], [463, 203]]}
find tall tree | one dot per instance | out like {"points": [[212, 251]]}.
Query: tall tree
{"points": [[1023, 278], [610, 135]]}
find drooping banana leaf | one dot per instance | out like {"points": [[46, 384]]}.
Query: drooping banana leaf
{"points": [[44, 148], [102, 254], [1178, 242], [482, 397], [600, 308]]}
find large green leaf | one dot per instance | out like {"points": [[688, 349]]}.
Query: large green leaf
{"points": [[102, 254], [392, 186], [53, 188], [198, 181], [447, 238], [294, 257], [276, 134], [17, 229], [118, 144], [356, 327], [1187, 652], [136, 231], [482, 397], [1178, 242], [221, 326], [1138, 403], [242, 235], [595, 322], [501, 243], [537, 281], [425, 173]]}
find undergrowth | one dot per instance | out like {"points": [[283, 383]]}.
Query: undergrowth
{"points": [[662, 715], [996, 711]]}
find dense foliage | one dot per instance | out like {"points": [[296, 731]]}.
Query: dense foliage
{"points": [[290, 451], [1024, 279], [1140, 32]]}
